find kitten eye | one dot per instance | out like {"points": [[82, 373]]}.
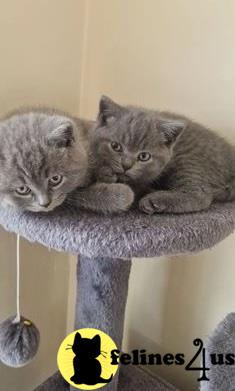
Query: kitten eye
{"points": [[144, 156], [23, 190], [56, 180], [116, 146]]}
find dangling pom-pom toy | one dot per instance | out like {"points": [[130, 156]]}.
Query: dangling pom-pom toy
{"points": [[19, 341], [19, 338]]}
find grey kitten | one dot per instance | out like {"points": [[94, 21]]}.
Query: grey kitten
{"points": [[44, 160], [41, 159], [173, 164]]}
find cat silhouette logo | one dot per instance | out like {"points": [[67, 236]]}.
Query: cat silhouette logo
{"points": [[84, 359]]}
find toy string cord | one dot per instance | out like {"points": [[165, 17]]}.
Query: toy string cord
{"points": [[17, 320]]}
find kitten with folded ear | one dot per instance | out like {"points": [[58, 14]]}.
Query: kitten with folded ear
{"points": [[42, 159], [173, 164], [45, 160]]}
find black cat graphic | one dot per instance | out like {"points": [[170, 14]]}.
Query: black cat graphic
{"points": [[87, 369]]}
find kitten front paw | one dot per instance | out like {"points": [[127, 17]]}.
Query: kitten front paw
{"points": [[152, 203], [122, 199]]}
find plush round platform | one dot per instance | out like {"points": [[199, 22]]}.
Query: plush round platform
{"points": [[129, 235]]}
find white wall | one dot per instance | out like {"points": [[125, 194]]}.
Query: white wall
{"points": [[40, 45], [177, 55]]}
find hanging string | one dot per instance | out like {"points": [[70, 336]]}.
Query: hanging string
{"points": [[17, 279]]}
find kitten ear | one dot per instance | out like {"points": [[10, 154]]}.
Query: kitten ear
{"points": [[171, 130], [108, 109], [62, 136], [96, 340]]}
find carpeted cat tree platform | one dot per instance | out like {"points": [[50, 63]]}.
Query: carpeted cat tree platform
{"points": [[105, 246]]}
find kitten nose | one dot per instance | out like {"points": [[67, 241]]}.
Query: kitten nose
{"points": [[44, 201], [127, 163], [46, 204]]}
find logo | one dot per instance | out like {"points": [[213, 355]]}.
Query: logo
{"points": [[88, 359], [85, 359]]}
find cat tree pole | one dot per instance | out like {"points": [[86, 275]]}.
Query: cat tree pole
{"points": [[106, 246]]}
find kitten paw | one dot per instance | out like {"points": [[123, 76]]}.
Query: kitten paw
{"points": [[151, 204], [122, 197]]}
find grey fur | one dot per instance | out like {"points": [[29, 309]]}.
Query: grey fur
{"points": [[38, 144], [34, 147], [103, 198], [190, 166]]}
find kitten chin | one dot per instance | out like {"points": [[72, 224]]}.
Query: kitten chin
{"points": [[9, 204], [55, 204]]}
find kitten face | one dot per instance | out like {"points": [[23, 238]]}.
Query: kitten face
{"points": [[135, 143], [41, 161]]}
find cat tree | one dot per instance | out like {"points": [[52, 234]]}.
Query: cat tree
{"points": [[106, 246]]}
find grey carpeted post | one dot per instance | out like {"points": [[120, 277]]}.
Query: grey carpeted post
{"points": [[101, 298], [102, 288]]}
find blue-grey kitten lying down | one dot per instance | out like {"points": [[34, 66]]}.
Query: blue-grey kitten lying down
{"points": [[173, 165], [44, 160]]}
